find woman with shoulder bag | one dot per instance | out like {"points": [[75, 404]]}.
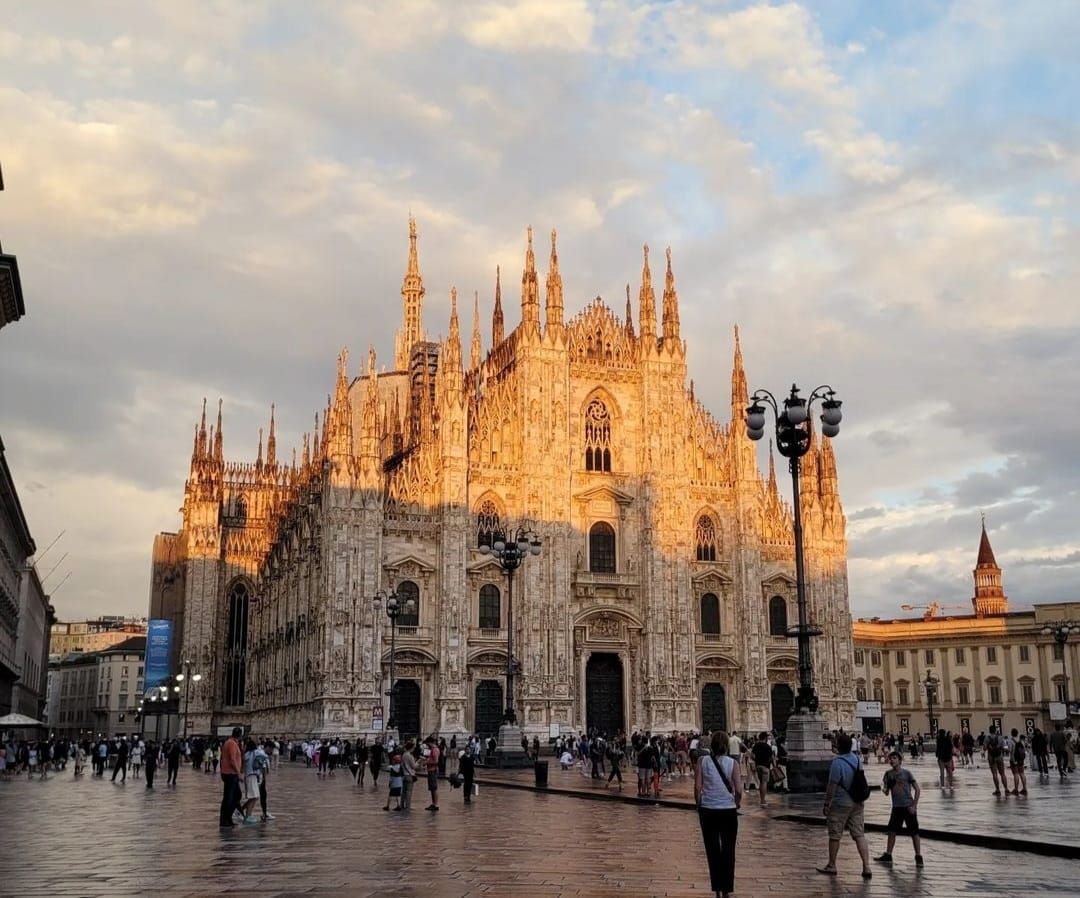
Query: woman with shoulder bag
{"points": [[718, 795]]}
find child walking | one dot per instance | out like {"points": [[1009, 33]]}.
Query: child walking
{"points": [[904, 789]]}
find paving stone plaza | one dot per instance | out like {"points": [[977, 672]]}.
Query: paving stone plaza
{"points": [[90, 837]]}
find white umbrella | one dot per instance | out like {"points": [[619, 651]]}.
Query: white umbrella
{"points": [[13, 721]]}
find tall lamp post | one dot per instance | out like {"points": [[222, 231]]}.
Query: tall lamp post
{"points": [[187, 678], [510, 552], [394, 607], [808, 763], [931, 685], [1061, 633]]}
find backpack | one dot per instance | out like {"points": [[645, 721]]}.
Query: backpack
{"points": [[993, 746], [860, 788], [1019, 753]]}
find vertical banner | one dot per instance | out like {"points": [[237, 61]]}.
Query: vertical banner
{"points": [[158, 647]]}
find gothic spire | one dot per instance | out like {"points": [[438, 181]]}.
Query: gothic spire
{"points": [[202, 431], [453, 342], [476, 349], [497, 329], [258, 457], [553, 310], [530, 290], [647, 302], [412, 300], [271, 442], [219, 449], [740, 393], [629, 315], [671, 304]]}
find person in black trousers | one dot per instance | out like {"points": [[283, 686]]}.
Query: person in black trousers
{"points": [[467, 769], [150, 763], [121, 762], [718, 794], [376, 758], [173, 759]]}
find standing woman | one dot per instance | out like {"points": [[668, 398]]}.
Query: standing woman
{"points": [[361, 761], [718, 794]]}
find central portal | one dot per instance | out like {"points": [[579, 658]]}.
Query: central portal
{"points": [[604, 694]]}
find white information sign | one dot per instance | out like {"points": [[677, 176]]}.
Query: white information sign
{"points": [[867, 709], [1058, 711]]}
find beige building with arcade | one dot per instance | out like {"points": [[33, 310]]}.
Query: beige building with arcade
{"points": [[993, 667]]}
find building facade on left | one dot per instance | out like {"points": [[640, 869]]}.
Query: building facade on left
{"points": [[25, 613], [26, 616]]}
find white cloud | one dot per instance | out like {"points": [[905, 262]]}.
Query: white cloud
{"points": [[531, 25]]}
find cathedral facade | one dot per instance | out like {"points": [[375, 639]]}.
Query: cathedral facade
{"points": [[665, 581]]}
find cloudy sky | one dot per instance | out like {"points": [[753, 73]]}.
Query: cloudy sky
{"points": [[210, 199]]}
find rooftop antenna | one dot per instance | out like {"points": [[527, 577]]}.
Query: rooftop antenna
{"points": [[61, 583], [53, 568], [49, 546]]}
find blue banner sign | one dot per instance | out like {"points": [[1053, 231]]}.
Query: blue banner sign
{"points": [[158, 650]]}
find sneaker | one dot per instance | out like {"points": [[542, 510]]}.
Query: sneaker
{"points": [[250, 821], [885, 859], [268, 817], [919, 861]]}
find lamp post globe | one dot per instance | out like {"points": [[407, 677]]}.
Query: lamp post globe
{"points": [[510, 550], [792, 419]]}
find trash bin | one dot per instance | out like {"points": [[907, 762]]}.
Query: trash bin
{"points": [[541, 768]]}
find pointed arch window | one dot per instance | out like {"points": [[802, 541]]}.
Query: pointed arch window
{"points": [[406, 590], [490, 607], [778, 616], [705, 538], [236, 644], [602, 548], [597, 437], [488, 524], [710, 614]]}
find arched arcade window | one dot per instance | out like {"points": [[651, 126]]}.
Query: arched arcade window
{"points": [[597, 437], [705, 538], [490, 607], [778, 616], [710, 614], [406, 590], [602, 548]]}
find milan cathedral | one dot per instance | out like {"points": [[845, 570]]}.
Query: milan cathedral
{"points": [[665, 582]]}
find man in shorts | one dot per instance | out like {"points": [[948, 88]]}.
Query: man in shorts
{"points": [[995, 756], [904, 789], [842, 813], [763, 757]]}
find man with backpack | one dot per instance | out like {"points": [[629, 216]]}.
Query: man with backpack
{"points": [[995, 756], [1017, 758], [844, 798]]}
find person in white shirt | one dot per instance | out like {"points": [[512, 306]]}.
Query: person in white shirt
{"points": [[718, 795]]}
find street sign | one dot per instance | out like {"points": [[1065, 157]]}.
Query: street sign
{"points": [[905, 727], [376, 724], [995, 722], [376, 710], [1058, 711], [1029, 725], [867, 709]]}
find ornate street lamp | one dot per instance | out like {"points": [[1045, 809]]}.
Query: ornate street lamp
{"points": [[793, 442], [510, 554], [931, 685], [394, 608], [187, 678], [1061, 633]]}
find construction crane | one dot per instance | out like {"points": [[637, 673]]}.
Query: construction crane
{"points": [[931, 609]]}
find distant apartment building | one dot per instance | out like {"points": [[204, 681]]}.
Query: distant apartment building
{"points": [[98, 692], [93, 635]]}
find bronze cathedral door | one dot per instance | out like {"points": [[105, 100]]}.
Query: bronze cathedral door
{"points": [[604, 694]]}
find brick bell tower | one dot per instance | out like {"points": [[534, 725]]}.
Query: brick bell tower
{"points": [[990, 599]]}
